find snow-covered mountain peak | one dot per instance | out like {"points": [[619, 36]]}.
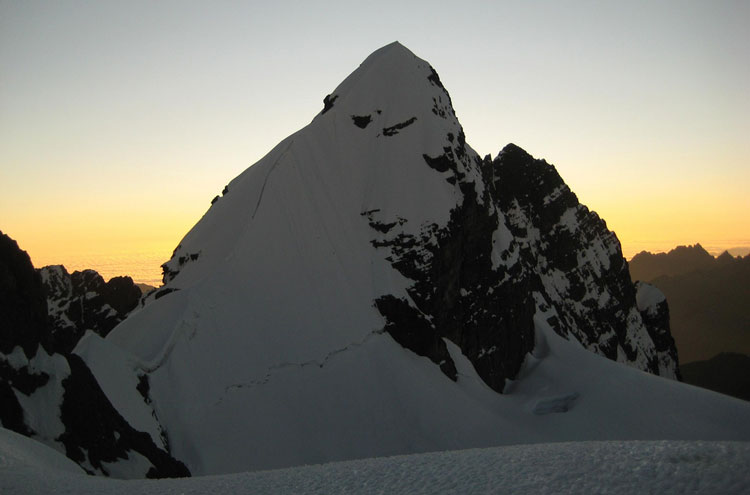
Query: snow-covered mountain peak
{"points": [[372, 279], [370, 287], [392, 87], [387, 148]]}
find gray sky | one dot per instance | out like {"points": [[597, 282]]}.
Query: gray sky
{"points": [[115, 110]]}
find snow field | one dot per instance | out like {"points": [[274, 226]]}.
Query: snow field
{"points": [[615, 467]]}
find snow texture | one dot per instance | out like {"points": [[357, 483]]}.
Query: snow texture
{"points": [[615, 467], [648, 297], [117, 375]]}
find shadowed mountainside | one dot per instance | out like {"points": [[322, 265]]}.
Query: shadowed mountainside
{"points": [[727, 373], [709, 299], [53, 397]]}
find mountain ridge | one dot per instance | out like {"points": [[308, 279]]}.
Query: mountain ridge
{"points": [[52, 396], [374, 272], [709, 298], [374, 287]]}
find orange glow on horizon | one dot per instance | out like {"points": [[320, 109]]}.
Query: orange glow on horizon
{"points": [[112, 243], [137, 246]]}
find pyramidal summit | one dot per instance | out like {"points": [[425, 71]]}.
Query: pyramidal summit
{"points": [[374, 287]]}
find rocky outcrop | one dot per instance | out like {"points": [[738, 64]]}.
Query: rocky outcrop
{"points": [[97, 436], [82, 301], [584, 276], [654, 310], [460, 293], [525, 246], [23, 306], [53, 397]]}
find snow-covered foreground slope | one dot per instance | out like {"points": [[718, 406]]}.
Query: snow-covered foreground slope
{"points": [[563, 393], [373, 287], [579, 467]]}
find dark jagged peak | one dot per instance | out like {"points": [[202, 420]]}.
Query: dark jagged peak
{"points": [[680, 260], [82, 301], [579, 262], [512, 152], [536, 184], [725, 258], [53, 397], [23, 307]]}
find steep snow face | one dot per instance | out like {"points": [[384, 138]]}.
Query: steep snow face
{"points": [[361, 153], [371, 286], [280, 276]]}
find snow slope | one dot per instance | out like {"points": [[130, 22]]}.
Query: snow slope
{"points": [[582, 467], [266, 348], [348, 410], [19, 453]]}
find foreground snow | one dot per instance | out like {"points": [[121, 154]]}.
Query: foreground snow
{"points": [[563, 393], [578, 467]]}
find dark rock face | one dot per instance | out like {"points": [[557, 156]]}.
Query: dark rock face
{"points": [[415, 332], [579, 260], [23, 306], [394, 129], [458, 294], [521, 246], [23, 325], [328, 103], [172, 268], [655, 315], [96, 433], [24, 381], [580, 263], [75, 415], [83, 301], [361, 121]]}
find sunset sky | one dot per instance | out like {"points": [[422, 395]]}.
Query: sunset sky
{"points": [[120, 121]]}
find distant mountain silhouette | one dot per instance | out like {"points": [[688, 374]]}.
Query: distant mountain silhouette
{"points": [[727, 373], [709, 299], [145, 288], [682, 259]]}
